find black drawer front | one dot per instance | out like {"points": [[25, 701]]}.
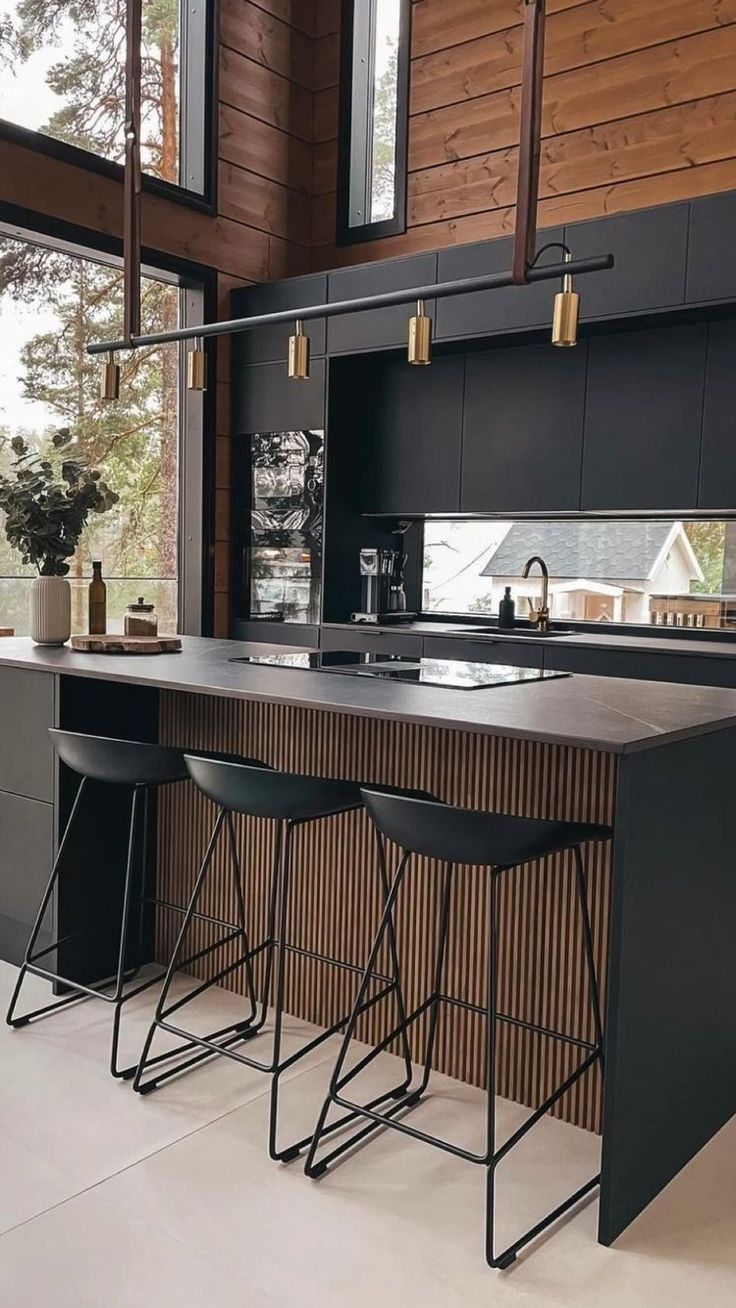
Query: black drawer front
{"points": [[26, 853], [691, 671], [369, 638], [512, 653], [27, 710]]}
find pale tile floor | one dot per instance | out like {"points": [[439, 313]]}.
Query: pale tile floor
{"points": [[108, 1200]]}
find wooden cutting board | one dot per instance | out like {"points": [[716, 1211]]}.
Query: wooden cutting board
{"points": [[118, 644], [6, 631]]}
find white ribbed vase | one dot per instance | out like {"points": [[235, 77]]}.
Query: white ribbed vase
{"points": [[51, 610]]}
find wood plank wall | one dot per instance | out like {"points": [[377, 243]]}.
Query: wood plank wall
{"points": [[640, 109], [336, 899]]}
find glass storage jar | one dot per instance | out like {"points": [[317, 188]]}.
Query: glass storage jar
{"points": [[141, 619]]}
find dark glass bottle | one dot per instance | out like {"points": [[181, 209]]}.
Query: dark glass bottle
{"points": [[506, 611], [97, 605]]}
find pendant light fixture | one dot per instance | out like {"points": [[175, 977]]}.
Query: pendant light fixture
{"points": [[420, 336], [299, 354], [110, 379], [197, 367], [567, 312]]}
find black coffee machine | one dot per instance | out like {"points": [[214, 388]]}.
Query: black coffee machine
{"points": [[382, 594]]}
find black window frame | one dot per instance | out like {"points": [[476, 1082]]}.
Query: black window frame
{"points": [[198, 83], [354, 171], [197, 478]]}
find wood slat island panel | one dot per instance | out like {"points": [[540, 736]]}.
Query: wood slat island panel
{"points": [[336, 901]]}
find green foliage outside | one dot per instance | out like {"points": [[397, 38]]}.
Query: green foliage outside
{"points": [[135, 441]]}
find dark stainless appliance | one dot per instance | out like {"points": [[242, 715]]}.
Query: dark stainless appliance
{"points": [[284, 556], [382, 594]]}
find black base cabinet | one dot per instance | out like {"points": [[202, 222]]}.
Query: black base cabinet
{"points": [[28, 707]]}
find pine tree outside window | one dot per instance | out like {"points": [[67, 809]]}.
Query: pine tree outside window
{"points": [[373, 119], [52, 303], [62, 74]]}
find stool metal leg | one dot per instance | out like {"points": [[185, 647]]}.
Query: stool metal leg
{"points": [[313, 1168], [30, 957], [508, 1256], [492, 1156], [235, 1031], [436, 998]]}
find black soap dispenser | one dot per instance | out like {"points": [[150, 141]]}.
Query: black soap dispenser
{"points": [[506, 611]]}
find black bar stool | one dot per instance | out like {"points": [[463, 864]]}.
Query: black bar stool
{"points": [[289, 799], [500, 843], [140, 768]]}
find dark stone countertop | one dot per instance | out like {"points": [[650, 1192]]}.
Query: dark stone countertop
{"points": [[603, 713]]}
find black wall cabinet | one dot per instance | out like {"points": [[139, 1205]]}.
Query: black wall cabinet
{"points": [[376, 329], [488, 312], [410, 434], [523, 429], [711, 264], [269, 344], [265, 400], [718, 460], [643, 419], [650, 251]]}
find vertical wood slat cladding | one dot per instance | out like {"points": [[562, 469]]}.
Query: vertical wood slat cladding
{"points": [[638, 111], [336, 900]]}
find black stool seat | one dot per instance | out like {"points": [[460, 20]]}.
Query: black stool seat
{"points": [[456, 835], [245, 787], [129, 762], [121, 762]]}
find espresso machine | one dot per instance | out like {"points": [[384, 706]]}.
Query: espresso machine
{"points": [[382, 594]]}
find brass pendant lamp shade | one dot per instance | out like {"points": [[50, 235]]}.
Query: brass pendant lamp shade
{"points": [[567, 312], [110, 379], [299, 355], [197, 368], [420, 336]]}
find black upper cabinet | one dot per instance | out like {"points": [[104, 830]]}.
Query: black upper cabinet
{"points": [[643, 419], [711, 262], [485, 313], [268, 344], [410, 432], [523, 432], [376, 329], [718, 461], [650, 249], [264, 399]]}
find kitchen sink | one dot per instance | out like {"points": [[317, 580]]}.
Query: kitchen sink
{"points": [[513, 632]]}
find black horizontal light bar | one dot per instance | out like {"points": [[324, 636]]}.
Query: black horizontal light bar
{"points": [[468, 286]]}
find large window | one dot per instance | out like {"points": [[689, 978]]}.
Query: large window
{"points": [[62, 73], [373, 118], [52, 303], [657, 573]]}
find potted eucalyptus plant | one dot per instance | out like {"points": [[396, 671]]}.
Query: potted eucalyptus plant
{"points": [[47, 501]]}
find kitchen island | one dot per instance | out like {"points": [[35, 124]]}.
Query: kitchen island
{"points": [[654, 760]]}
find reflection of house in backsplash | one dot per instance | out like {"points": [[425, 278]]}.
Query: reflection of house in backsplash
{"points": [[599, 571]]}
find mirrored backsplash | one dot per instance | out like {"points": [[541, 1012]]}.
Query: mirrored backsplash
{"points": [[648, 572]]}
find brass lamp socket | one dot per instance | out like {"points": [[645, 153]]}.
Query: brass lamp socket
{"points": [[420, 337], [197, 369], [299, 355], [566, 314], [110, 380]]}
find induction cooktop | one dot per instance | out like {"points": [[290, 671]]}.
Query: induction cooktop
{"points": [[454, 674]]}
